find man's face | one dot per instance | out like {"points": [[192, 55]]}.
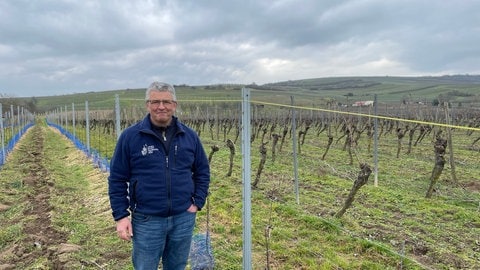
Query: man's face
{"points": [[161, 107]]}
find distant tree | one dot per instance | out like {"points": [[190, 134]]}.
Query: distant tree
{"points": [[31, 105], [7, 101]]}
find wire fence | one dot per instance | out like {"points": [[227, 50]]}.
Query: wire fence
{"points": [[13, 124], [309, 138], [96, 131]]}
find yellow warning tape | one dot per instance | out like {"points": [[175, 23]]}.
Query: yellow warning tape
{"points": [[369, 115], [342, 112]]}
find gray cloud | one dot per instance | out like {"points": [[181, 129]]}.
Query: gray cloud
{"points": [[55, 47]]}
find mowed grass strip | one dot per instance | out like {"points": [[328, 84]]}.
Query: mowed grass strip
{"points": [[78, 207]]}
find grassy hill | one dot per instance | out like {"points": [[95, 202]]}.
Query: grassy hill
{"points": [[459, 90], [390, 89]]}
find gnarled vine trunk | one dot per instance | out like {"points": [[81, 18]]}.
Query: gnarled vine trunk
{"points": [[362, 179], [440, 147]]}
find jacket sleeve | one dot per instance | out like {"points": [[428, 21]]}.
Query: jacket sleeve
{"points": [[201, 176], [119, 178]]}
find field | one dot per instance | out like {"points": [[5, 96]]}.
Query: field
{"points": [[391, 223], [458, 90]]}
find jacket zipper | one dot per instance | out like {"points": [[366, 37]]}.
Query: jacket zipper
{"points": [[134, 199], [175, 156], [169, 186]]}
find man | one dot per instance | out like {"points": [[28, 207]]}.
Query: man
{"points": [[159, 179]]}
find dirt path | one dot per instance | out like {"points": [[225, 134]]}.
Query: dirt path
{"points": [[40, 232], [42, 239], [36, 199]]}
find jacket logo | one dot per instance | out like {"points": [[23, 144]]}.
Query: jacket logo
{"points": [[148, 149]]}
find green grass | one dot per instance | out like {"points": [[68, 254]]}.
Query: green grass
{"points": [[389, 216], [299, 238], [458, 90], [388, 225], [83, 211], [79, 205]]}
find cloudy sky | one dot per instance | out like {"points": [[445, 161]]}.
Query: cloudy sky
{"points": [[54, 47]]}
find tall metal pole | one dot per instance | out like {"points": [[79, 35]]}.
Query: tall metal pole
{"points": [[12, 120], [73, 120], [246, 175], [2, 134], [87, 120], [61, 116], [66, 117], [294, 146], [117, 115], [375, 141], [18, 121]]}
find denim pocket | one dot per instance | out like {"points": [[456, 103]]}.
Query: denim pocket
{"points": [[138, 217]]}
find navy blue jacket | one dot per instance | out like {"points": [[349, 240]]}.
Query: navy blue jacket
{"points": [[147, 178]]}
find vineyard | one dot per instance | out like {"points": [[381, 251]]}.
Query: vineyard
{"points": [[385, 186], [13, 125]]}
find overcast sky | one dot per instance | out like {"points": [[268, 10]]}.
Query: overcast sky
{"points": [[53, 47]]}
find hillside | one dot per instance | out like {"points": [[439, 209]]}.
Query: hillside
{"points": [[459, 90]]}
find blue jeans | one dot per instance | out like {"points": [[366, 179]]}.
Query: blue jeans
{"points": [[168, 238]]}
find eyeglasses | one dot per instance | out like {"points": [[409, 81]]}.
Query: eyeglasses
{"points": [[157, 102]]}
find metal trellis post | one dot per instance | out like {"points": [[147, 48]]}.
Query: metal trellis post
{"points": [[246, 174], [117, 115], [2, 134], [294, 146], [375, 141], [73, 120], [87, 127]]}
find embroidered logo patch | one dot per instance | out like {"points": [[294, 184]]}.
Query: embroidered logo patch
{"points": [[148, 149]]}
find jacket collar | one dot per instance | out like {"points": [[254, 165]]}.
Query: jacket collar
{"points": [[146, 124]]}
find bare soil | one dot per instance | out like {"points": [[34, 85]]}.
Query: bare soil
{"points": [[42, 239], [42, 245]]}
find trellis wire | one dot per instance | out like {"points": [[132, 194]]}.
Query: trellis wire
{"points": [[375, 117], [18, 123]]}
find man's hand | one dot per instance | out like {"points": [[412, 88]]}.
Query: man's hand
{"points": [[124, 229], [193, 208]]}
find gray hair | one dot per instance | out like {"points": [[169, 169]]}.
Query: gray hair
{"points": [[160, 87]]}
